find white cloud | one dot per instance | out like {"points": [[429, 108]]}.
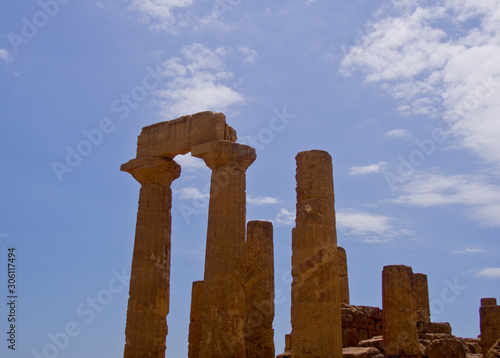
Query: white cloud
{"points": [[369, 169], [468, 250], [193, 193], [250, 55], [439, 59], [198, 83], [398, 133], [475, 192], [262, 200], [369, 227], [5, 55], [285, 217], [159, 14], [489, 273], [187, 161]]}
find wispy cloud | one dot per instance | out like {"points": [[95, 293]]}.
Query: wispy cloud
{"points": [[249, 55], [398, 133], [468, 250], [370, 228], [369, 169], [160, 15], [193, 193], [437, 67], [198, 82], [285, 217], [259, 200], [5, 55], [475, 192], [491, 273]]}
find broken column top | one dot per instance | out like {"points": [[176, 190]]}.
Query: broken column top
{"points": [[489, 301], [178, 136]]}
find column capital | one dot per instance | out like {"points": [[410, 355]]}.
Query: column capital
{"points": [[153, 170], [224, 153]]}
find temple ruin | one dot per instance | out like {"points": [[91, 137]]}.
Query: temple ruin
{"points": [[232, 308]]}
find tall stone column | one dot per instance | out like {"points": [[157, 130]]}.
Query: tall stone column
{"points": [[315, 312], [489, 314], [421, 291], [223, 321], [343, 276], [148, 305], [195, 320], [399, 310], [259, 294]]}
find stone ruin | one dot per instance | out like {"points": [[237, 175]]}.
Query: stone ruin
{"points": [[232, 309]]}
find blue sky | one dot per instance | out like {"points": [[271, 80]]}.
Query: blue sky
{"points": [[405, 96]]}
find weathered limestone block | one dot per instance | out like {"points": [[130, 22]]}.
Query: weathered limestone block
{"points": [[489, 301], [494, 351], [259, 294], [434, 327], [224, 312], [315, 311], [421, 291], [447, 347], [343, 276], [375, 342], [288, 342], [399, 312], [361, 352], [148, 305], [474, 344], [360, 323], [194, 338], [490, 325], [178, 136]]}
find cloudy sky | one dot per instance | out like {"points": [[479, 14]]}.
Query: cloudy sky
{"points": [[405, 96]]}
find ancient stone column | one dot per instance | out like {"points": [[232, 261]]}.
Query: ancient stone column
{"points": [[315, 311], [148, 305], [224, 314], [343, 277], [259, 293], [195, 320], [421, 291], [399, 312], [489, 314]]}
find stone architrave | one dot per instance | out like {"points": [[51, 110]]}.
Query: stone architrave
{"points": [[421, 291], [148, 304], [490, 324], [195, 320], [343, 276], [315, 311], [259, 293], [399, 310], [224, 314]]}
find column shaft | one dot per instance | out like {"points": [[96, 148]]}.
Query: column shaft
{"points": [[223, 321], [315, 312], [489, 314], [343, 276], [148, 304], [421, 288], [195, 320], [259, 293]]}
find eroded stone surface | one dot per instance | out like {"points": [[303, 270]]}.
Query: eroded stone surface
{"points": [[360, 323], [361, 352], [494, 351], [178, 136], [447, 347], [421, 292], [399, 312], [194, 338], [490, 326], [224, 308], [315, 312], [343, 275], [259, 294], [148, 305]]}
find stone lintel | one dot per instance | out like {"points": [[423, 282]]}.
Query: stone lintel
{"points": [[178, 136], [153, 170], [225, 153]]}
